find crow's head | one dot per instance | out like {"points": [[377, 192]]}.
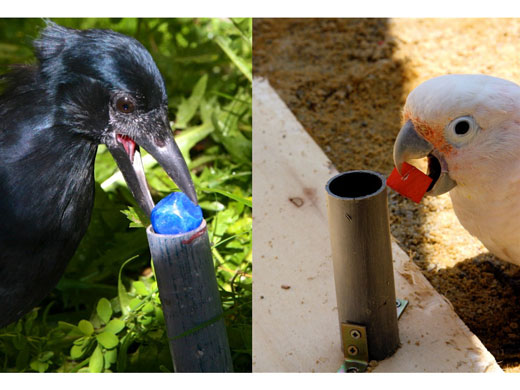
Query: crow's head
{"points": [[106, 88]]}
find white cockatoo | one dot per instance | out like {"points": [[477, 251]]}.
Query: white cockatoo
{"points": [[469, 127]]}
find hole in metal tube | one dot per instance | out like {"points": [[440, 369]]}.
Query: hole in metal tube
{"points": [[356, 184]]}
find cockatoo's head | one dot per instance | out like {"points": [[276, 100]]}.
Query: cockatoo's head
{"points": [[466, 125]]}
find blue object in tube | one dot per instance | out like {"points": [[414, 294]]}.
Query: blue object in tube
{"points": [[175, 214]]}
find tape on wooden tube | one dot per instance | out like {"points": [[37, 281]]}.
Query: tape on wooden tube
{"points": [[190, 299]]}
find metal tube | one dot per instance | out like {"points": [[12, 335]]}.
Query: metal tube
{"points": [[191, 302], [362, 257]]}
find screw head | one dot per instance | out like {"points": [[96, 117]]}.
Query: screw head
{"points": [[352, 350], [355, 334]]}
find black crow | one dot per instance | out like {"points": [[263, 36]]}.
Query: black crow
{"points": [[87, 88]]}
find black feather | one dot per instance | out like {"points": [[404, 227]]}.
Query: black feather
{"points": [[52, 117]]}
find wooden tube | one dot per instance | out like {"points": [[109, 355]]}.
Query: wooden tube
{"points": [[191, 302], [362, 257]]}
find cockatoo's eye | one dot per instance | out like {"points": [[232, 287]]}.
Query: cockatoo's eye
{"points": [[462, 127], [461, 131]]}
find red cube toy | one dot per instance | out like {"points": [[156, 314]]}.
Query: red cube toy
{"points": [[413, 184]]}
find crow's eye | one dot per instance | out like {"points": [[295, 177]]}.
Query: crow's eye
{"points": [[125, 105]]}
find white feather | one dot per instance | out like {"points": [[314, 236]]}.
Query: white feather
{"points": [[487, 169]]}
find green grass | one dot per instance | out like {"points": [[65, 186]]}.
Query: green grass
{"points": [[105, 314]]}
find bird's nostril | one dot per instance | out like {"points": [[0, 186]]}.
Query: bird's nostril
{"points": [[160, 142]]}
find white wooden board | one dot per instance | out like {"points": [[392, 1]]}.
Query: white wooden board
{"points": [[295, 323]]}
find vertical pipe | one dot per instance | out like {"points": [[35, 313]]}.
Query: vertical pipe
{"points": [[362, 257], [191, 302]]}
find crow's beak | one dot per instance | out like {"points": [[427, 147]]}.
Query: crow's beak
{"points": [[161, 145], [410, 145]]}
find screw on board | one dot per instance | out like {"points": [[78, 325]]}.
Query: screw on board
{"points": [[355, 347], [355, 343]]}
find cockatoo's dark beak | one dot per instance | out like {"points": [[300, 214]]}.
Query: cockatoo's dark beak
{"points": [[409, 145]]}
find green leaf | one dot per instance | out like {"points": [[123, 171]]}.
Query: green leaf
{"points": [[188, 107], [122, 358], [212, 206], [96, 361], [39, 366], [29, 320], [110, 357], [242, 64], [140, 288], [19, 341], [240, 226], [148, 308], [72, 331], [80, 347], [44, 356], [133, 214], [227, 131], [245, 201], [22, 360], [81, 341], [159, 315], [115, 326], [123, 245], [66, 326], [105, 164], [135, 303], [124, 297], [107, 340], [145, 320], [76, 352], [188, 138], [104, 310], [86, 327]]}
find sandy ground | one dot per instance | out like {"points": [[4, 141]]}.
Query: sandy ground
{"points": [[346, 80]]}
